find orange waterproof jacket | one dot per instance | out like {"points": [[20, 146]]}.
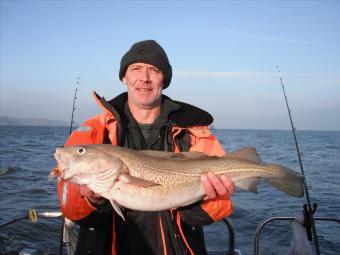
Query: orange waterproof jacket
{"points": [[96, 129]]}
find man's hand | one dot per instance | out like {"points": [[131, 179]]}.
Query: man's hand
{"points": [[90, 195], [215, 185]]}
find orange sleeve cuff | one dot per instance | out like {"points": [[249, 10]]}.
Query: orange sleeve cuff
{"points": [[72, 204], [217, 208]]}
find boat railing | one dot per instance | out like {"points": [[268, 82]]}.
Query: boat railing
{"points": [[281, 218], [33, 215], [231, 249], [231, 241]]}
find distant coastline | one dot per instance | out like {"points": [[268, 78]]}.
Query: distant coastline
{"points": [[10, 121]]}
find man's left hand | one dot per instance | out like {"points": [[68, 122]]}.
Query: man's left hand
{"points": [[215, 185]]}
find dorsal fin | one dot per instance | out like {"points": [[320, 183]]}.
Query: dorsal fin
{"points": [[248, 153]]}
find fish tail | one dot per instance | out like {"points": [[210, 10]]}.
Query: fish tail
{"points": [[288, 181]]}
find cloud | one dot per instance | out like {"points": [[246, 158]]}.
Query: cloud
{"points": [[245, 35], [266, 38], [221, 74]]}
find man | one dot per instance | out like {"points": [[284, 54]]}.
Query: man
{"points": [[141, 119]]}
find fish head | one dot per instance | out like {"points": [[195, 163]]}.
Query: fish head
{"points": [[81, 164]]}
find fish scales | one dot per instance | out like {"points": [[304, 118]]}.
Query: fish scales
{"points": [[171, 168], [153, 180], [174, 170]]}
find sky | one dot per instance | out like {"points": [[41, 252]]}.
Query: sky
{"points": [[223, 54]]}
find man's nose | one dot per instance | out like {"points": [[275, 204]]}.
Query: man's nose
{"points": [[145, 75]]}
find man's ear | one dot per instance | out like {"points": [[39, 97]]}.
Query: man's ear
{"points": [[124, 80]]}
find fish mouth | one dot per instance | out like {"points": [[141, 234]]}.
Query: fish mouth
{"points": [[63, 171], [53, 174], [58, 172], [63, 165]]}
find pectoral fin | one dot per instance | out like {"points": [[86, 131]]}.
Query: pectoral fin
{"points": [[129, 179]]}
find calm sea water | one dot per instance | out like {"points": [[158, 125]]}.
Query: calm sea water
{"points": [[26, 158]]}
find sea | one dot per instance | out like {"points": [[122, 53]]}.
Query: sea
{"points": [[26, 158]]}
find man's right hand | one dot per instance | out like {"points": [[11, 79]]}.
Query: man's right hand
{"points": [[215, 185], [90, 195]]}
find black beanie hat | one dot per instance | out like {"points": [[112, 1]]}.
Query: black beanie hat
{"points": [[149, 52]]}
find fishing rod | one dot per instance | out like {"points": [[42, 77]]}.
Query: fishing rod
{"points": [[74, 103], [32, 215], [308, 210], [61, 240]]}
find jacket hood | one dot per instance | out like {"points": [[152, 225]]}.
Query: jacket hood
{"points": [[186, 115]]}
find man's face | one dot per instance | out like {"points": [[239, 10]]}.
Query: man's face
{"points": [[145, 84]]}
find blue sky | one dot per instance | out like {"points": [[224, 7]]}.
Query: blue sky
{"points": [[223, 53]]}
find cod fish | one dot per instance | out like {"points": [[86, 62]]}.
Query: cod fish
{"points": [[157, 180]]}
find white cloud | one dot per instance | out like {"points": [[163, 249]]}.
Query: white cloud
{"points": [[221, 74], [267, 38]]}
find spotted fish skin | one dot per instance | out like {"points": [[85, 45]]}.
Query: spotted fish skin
{"points": [[155, 180]]}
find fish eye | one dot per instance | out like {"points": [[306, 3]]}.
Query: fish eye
{"points": [[81, 151]]}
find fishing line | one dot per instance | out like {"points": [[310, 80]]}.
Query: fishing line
{"points": [[61, 241], [308, 210]]}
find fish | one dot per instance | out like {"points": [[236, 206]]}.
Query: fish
{"points": [[158, 180]]}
